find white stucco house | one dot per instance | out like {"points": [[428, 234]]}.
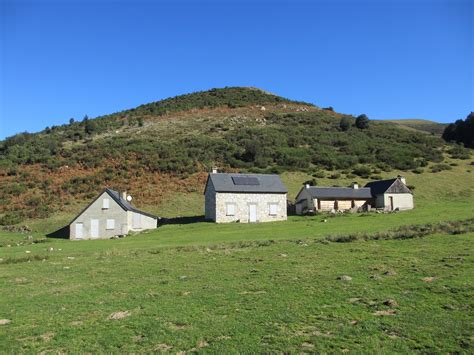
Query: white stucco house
{"points": [[391, 194], [110, 214], [245, 198]]}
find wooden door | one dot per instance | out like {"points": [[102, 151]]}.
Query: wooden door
{"points": [[390, 198]]}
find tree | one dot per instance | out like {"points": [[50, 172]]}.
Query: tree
{"points": [[71, 121], [86, 118], [362, 122], [90, 126], [345, 123], [140, 121], [461, 131]]}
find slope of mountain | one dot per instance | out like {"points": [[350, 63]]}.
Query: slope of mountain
{"points": [[420, 125], [165, 147]]}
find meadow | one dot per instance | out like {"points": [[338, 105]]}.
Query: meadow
{"points": [[285, 286]]}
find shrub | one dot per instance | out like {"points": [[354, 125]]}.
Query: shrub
{"points": [[440, 167], [362, 122], [418, 171], [11, 218], [459, 152], [345, 123], [362, 171]]}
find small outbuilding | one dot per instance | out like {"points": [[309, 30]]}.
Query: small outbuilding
{"points": [[391, 194], [326, 199], [388, 195], [110, 214], [245, 198]]}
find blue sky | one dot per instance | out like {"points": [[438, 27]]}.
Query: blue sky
{"points": [[387, 59]]}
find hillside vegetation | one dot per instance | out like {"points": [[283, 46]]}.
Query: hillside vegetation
{"points": [[166, 147], [420, 125]]}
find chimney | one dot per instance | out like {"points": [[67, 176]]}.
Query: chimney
{"points": [[214, 170], [355, 185], [124, 195], [402, 179]]}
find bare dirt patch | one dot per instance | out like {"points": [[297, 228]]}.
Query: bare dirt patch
{"points": [[119, 315], [388, 312]]}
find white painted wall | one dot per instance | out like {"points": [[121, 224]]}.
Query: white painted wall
{"points": [[123, 220], [402, 201]]}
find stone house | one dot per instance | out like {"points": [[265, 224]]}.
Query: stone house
{"points": [[391, 194], [245, 198], [326, 199], [110, 214]]}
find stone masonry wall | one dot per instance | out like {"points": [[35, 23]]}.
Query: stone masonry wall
{"points": [[242, 201]]}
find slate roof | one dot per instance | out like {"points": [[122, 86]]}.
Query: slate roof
{"points": [[267, 183], [125, 204], [379, 187], [339, 192]]}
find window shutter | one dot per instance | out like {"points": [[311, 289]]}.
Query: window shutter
{"points": [[273, 209], [111, 224], [230, 209]]}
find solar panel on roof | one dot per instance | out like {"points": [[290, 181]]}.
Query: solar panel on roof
{"points": [[245, 180]]}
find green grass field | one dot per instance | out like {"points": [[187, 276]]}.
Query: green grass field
{"points": [[249, 288]]}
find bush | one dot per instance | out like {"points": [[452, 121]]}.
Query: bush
{"points": [[440, 167], [362, 122], [362, 171], [459, 152], [418, 171], [11, 218], [345, 123]]}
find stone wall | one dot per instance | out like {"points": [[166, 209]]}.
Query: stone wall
{"points": [[242, 201], [210, 202]]}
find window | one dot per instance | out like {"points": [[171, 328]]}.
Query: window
{"points": [[272, 209], [110, 224], [105, 204], [137, 221], [230, 209]]}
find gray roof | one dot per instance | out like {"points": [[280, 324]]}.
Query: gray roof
{"points": [[266, 183], [125, 204], [339, 192], [389, 186], [380, 186]]}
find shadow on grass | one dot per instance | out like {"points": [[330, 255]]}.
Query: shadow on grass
{"points": [[62, 233], [182, 220]]}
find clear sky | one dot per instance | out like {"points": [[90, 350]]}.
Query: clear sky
{"points": [[387, 59]]}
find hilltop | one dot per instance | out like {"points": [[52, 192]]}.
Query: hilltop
{"points": [[164, 149], [420, 125]]}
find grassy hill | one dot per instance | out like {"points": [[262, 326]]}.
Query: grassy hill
{"points": [[248, 288], [420, 125], [371, 282], [160, 152]]}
